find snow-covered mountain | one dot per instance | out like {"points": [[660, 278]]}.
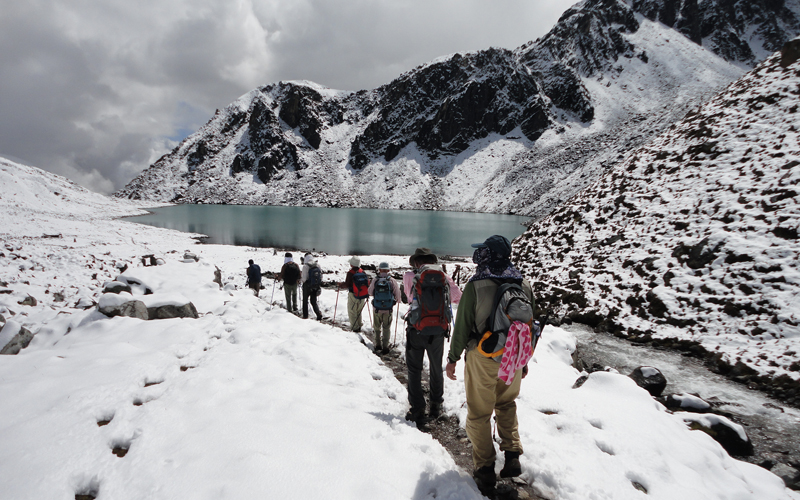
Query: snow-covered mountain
{"points": [[693, 237], [496, 130]]}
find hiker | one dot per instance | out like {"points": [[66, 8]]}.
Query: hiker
{"points": [[290, 274], [311, 278], [385, 294], [254, 277], [488, 388], [428, 322], [356, 282]]}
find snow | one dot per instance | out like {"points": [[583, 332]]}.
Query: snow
{"points": [[249, 401]]}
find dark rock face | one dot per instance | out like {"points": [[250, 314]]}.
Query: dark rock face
{"points": [[130, 309], [650, 379], [731, 26]]}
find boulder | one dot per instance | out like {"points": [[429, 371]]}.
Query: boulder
{"points": [[790, 475], [116, 287], [686, 402], [14, 337], [167, 311], [189, 256], [122, 304], [165, 306], [730, 435], [28, 301], [649, 378], [137, 287]]}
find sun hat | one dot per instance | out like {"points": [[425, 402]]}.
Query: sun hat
{"points": [[355, 261], [420, 252], [383, 265], [499, 245]]}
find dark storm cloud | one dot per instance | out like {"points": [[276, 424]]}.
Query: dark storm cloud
{"points": [[95, 90]]}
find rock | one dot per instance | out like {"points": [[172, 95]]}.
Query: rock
{"points": [[218, 276], [137, 287], [172, 311], [58, 297], [14, 337], [116, 287], [122, 304], [28, 301], [649, 378], [686, 402], [188, 256], [580, 381], [790, 475], [84, 303], [730, 435], [790, 53]]}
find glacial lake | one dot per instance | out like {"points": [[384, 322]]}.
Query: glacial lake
{"points": [[338, 231]]}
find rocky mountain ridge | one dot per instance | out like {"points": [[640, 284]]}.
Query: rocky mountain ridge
{"points": [[495, 130], [692, 241]]}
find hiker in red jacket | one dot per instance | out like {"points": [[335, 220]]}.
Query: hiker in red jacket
{"points": [[356, 283]]}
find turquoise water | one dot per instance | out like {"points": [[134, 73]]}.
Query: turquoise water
{"points": [[339, 231]]}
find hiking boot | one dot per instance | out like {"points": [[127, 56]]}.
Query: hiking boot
{"points": [[512, 468], [435, 411], [415, 415], [356, 330], [319, 318], [485, 477], [385, 350], [377, 349]]}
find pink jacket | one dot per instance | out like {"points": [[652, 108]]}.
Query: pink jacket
{"points": [[408, 285]]}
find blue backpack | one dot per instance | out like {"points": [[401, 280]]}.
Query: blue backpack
{"points": [[384, 298], [314, 277]]}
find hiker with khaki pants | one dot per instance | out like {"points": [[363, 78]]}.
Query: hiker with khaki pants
{"points": [[486, 392]]}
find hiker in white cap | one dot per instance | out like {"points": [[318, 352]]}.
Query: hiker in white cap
{"points": [[356, 283]]}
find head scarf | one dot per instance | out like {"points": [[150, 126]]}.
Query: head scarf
{"points": [[490, 265]]}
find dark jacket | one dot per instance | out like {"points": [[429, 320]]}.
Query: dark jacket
{"points": [[290, 273], [253, 274]]}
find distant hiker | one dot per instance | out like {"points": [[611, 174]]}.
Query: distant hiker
{"points": [[428, 322], [254, 277], [492, 385], [290, 274], [356, 282], [312, 284], [385, 294]]}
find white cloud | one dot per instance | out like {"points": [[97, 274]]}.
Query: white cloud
{"points": [[92, 90]]}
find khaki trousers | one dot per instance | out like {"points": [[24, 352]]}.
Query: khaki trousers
{"points": [[382, 321], [486, 393], [354, 308]]}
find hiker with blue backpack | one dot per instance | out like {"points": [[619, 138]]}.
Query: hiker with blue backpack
{"points": [[385, 294], [495, 326], [356, 282], [311, 277]]}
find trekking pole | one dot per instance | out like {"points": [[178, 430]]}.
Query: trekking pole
{"points": [[369, 312], [335, 306], [271, 299], [396, 322]]}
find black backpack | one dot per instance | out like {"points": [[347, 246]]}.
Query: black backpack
{"points": [[383, 298], [314, 277], [291, 274]]}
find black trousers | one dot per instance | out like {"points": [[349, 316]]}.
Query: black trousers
{"points": [[416, 347], [307, 293]]}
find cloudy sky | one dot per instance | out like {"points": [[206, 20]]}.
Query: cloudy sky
{"points": [[96, 90]]}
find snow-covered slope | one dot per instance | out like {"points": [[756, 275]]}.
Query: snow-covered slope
{"points": [[496, 130], [694, 236], [250, 401]]}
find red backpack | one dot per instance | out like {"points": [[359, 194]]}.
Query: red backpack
{"points": [[430, 309], [360, 284]]}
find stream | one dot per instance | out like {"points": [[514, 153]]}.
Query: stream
{"points": [[773, 427]]}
